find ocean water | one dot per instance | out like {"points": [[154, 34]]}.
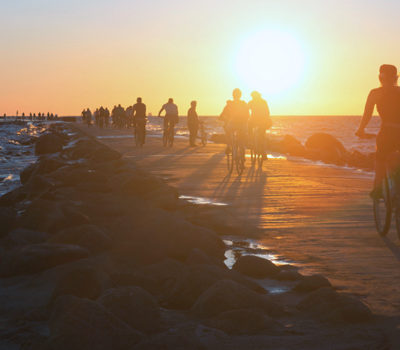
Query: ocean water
{"points": [[16, 151]]}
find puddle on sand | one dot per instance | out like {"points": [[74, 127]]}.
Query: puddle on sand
{"points": [[201, 200]]}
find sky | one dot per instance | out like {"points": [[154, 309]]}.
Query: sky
{"points": [[65, 55]]}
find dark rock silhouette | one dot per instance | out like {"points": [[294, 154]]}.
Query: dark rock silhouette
{"points": [[256, 267], [312, 283], [48, 143], [327, 305], [290, 145], [327, 148], [133, 305]]}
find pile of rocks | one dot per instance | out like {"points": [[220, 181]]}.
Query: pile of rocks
{"points": [[99, 254]]}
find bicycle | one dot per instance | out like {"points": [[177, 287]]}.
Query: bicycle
{"points": [[235, 154], [389, 203], [257, 149], [168, 135], [203, 133], [140, 132]]}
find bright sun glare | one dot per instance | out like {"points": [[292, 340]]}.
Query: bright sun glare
{"points": [[270, 61]]}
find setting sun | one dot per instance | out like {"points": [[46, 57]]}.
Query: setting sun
{"points": [[270, 61]]}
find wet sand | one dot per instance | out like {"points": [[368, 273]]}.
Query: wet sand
{"points": [[319, 217]]}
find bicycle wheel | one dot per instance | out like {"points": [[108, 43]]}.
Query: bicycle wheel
{"points": [[165, 138], [383, 210], [204, 139], [171, 137], [239, 159], [229, 158]]}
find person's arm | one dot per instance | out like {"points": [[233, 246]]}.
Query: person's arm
{"points": [[368, 111], [159, 113]]}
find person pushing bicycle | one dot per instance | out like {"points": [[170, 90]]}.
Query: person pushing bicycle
{"points": [[260, 119], [387, 100], [235, 116]]}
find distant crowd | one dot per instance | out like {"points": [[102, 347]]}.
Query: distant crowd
{"points": [[33, 116]]}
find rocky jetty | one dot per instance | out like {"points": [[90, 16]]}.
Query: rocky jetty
{"points": [[98, 254]]}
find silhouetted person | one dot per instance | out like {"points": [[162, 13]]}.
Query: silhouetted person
{"points": [[259, 116], [139, 116], [387, 100], [192, 123], [171, 113], [236, 116]]}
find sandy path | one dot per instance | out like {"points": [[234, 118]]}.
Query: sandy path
{"points": [[317, 216]]}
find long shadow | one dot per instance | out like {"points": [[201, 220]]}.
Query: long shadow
{"points": [[395, 249]]}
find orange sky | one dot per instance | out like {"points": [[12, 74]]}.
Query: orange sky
{"points": [[66, 55]]}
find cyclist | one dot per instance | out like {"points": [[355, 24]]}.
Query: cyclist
{"points": [[387, 100], [171, 114], [139, 117], [235, 116], [260, 116]]}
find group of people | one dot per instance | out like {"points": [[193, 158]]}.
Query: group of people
{"points": [[118, 118], [33, 116]]}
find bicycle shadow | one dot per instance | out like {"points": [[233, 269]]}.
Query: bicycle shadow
{"points": [[394, 248]]}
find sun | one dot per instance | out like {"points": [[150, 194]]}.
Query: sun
{"points": [[270, 61]]}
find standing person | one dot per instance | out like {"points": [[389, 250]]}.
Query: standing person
{"points": [[387, 100], [88, 117], [192, 123], [139, 118], [259, 117], [101, 117], [106, 117], [171, 116]]}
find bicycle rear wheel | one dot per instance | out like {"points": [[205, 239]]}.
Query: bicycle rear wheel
{"points": [[238, 157], [165, 138], [383, 210]]}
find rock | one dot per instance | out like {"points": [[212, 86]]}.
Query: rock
{"points": [[52, 216], [174, 339], [290, 145], [328, 305], [22, 236], [38, 257], [82, 324], [37, 185], [134, 306], [228, 295], [256, 267], [196, 279], [79, 174], [357, 159], [48, 143], [326, 148], [90, 237], [45, 165], [82, 282], [91, 149], [289, 276], [7, 220], [245, 321], [26, 173], [198, 257], [311, 283]]}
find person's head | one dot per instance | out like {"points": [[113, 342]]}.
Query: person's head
{"points": [[170, 100], [255, 95], [388, 75], [237, 94], [193, 104], [119, 105], [139, 100]]}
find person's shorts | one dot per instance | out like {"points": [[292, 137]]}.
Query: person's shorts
{"points": [[171, 119], [387, 142]]}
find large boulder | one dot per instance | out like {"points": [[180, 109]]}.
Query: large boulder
{"points": [[82, 282], [256, 267], [134, 306], [290, 145], [245, 321], [48, 143], [7, 220], [228, 295], [21, 236], [90, 237], [327, 148], [359, 160], [37, 185], [196, 279], [38, 257], [45, 165], [92, 150], [328, 305], [82, 324], [312, 283]]}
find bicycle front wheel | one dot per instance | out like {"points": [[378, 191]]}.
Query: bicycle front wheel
{"points": [[383, 210], [238, 157]]}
